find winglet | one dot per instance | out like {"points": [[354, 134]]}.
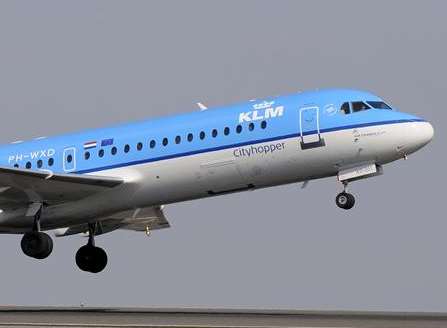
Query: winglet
{"points": [[202, 106]]}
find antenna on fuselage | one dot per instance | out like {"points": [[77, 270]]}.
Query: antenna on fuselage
{"points": [[304, 185], [202, 106]]}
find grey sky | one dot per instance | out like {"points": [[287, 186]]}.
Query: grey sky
{"points": [[69, 65]]}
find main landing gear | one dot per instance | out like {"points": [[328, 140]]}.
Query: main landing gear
{"points": [[344, 199], [91, 258], [37, 244]]}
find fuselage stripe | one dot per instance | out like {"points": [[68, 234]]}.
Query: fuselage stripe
{"points": [[252, 142]]}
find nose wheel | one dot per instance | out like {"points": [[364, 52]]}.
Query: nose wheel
{"points": [[91, 258], [344, 199]]}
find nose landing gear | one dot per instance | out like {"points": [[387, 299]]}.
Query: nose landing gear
{"points": [[91, 258], [36, 244], [344, 199]]}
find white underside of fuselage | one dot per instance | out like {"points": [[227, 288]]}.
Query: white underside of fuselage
{"points": [[236, 169]]}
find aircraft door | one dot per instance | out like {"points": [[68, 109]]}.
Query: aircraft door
{"points": [[310, 127], [69, 159]]}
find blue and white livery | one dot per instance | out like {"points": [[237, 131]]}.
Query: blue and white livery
{"points": [[120, 177]]}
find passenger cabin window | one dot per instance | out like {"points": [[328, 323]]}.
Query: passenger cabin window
{"points": [[345, 108], [378, 105], [359, 106]]}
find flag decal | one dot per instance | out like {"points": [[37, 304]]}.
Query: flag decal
{"points": [[90, 144], [107, 142]]}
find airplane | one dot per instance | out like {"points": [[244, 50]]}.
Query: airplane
{"points": [[97, 181]]}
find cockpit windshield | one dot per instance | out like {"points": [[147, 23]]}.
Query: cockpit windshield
{"points": [[378, 105], [358, 106], [345, 108]]}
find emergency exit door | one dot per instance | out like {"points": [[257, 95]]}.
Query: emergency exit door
{"points": [[310, 127], [69, 160]]}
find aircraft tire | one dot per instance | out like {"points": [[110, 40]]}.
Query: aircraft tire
{"points": [[37, 245], [345, 200], [91, 259]]}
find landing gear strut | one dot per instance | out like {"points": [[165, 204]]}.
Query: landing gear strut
{"points": [[344, 199], [91, 258], [37, 244]]}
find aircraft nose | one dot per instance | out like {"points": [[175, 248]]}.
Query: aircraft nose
{"points": [[426, 133], [421, 133]]}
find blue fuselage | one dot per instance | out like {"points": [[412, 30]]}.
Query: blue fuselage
{"points": [[248, 123]]}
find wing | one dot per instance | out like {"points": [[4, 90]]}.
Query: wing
{"points": [[19, 187], [140, 219]]}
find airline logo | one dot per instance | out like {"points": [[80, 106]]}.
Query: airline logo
{"points": [[262, 111], [259, 150]]}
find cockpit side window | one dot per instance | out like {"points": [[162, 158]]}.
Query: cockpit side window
{"points": [[378, 105], [359, 106], [344, 109]]}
